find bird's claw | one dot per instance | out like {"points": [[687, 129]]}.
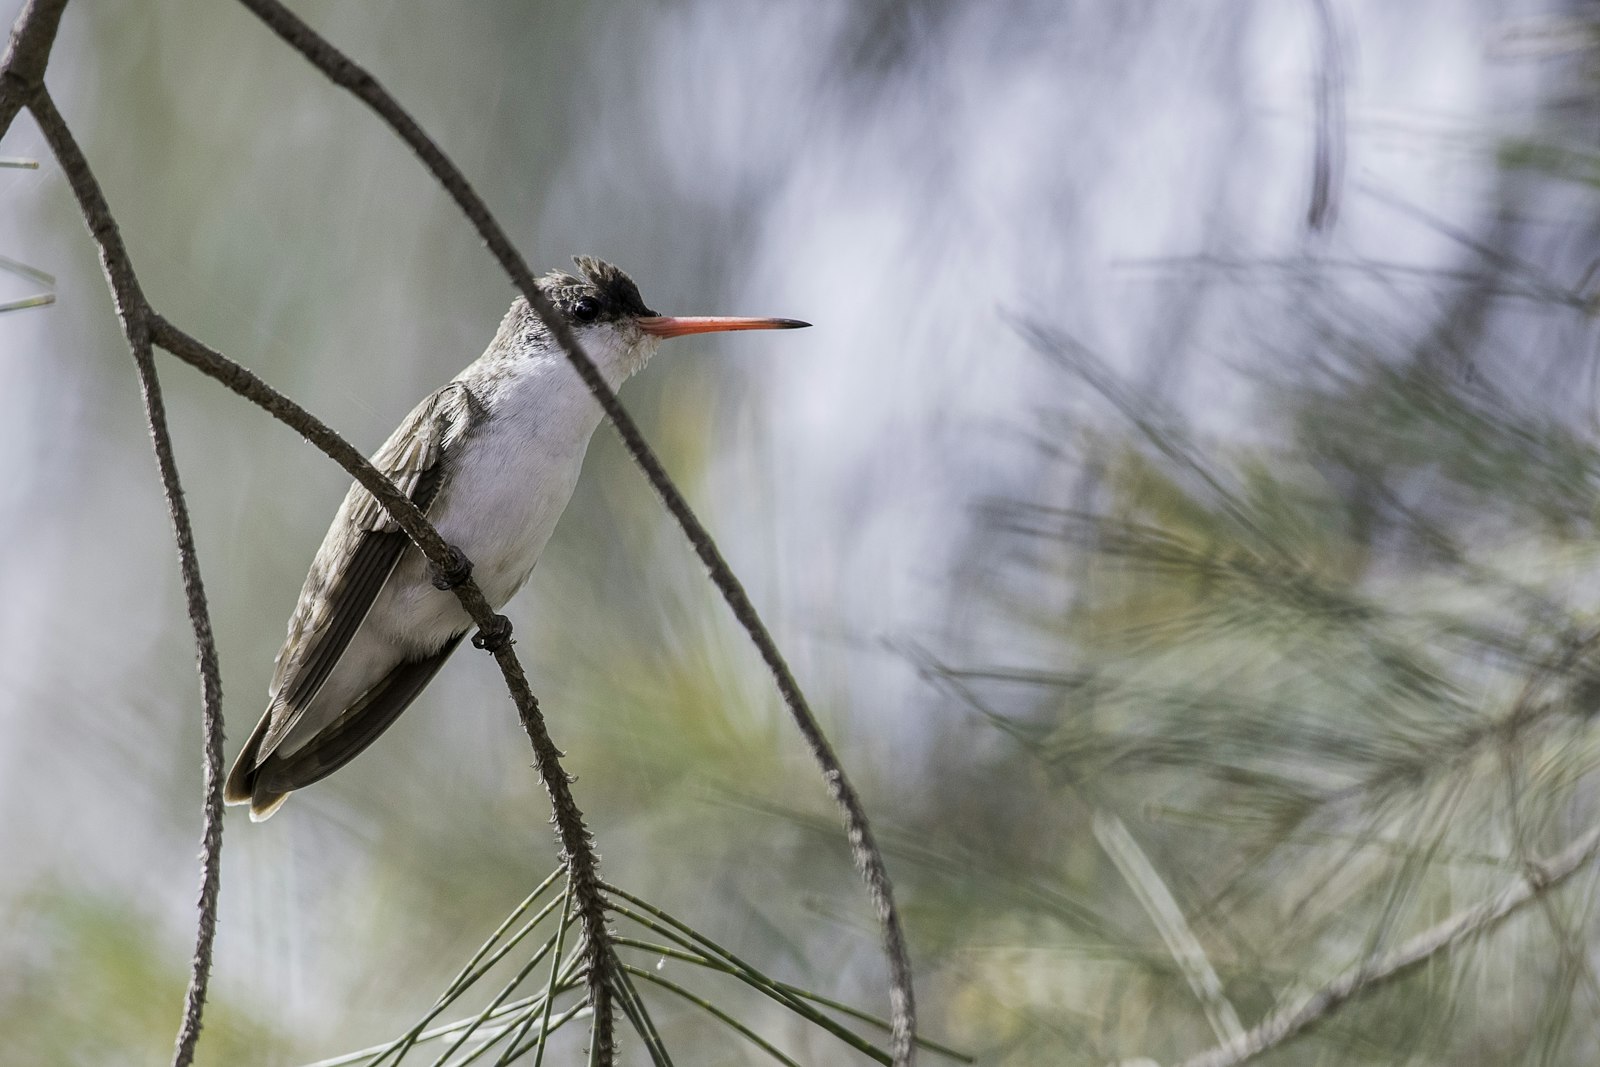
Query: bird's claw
{"points": [[453, 573], [495, 636]]}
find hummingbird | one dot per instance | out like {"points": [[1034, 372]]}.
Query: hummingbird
{"points": [[491, 459]]}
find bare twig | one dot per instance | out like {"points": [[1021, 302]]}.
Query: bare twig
{"points": [[144, 325], [21, 77], [211, 696], [1290, 1022], [576, 845], [134, 312], [22, 67], [345, 72]]}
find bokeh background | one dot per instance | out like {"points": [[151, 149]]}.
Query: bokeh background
{"points": [[1109, 500]]}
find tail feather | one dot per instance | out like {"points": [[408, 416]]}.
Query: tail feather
{"points": [[264, 803], [242, 786], [264, 781]]}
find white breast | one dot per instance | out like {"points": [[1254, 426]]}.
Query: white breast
{"points": [[501, 502]]}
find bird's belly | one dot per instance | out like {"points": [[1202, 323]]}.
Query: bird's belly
{"points": [[500, 511]]}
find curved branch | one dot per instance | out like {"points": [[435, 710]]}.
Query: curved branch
{"points": [[211, 696], [345, 72], [577, 849], [134, 312], [27, 54], [143, 326], [1284, 1025]]}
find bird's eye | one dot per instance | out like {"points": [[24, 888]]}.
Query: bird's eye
{"points": [[587, 309]]}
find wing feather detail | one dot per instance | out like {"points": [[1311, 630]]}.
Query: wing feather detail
{"points": [[348, 735], [360, 553]]}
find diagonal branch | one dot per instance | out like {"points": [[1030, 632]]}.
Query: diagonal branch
{"points": [[143, 326], [134, 312], [1284, 1025], [577, 848], [21, 79], [22, 67], [345, 72], [1158, 902]]}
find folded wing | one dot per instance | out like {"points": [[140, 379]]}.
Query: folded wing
{"points": [[355, 561]]}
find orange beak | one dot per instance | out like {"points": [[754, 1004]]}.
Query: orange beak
{"points": [[679, 325]]}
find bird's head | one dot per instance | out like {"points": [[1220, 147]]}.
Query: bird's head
{"points": [[615, 327]]}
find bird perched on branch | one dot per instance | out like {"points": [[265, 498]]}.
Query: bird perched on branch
{"points": [[491, 459]]}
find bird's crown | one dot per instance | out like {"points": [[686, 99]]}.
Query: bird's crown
{"points": [[609, 286]]}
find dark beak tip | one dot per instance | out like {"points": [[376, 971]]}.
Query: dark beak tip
{"points": [[795, 324]]}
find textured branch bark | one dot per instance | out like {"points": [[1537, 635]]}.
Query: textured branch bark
{"points": [[134, 313], [211, 696], [345, 72], [143, 325], [576, 845], [27, 54], [21, 75], [1289, 1023]]}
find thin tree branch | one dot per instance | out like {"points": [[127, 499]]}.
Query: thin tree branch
{"points": [[134, 313], [21, 77], [22, 67], [211, 696], [144, 325], [345, 72], [1290, 1022], [577, 850]]}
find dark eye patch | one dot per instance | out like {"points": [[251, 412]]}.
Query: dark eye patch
{"points": [[603, 294]]}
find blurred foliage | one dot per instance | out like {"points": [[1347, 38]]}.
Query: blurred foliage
{"points": [[1573, 164], [89, 977], [1341, 684]]}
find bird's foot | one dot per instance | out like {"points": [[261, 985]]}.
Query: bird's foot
{"points": [[453, 573], [495, 636]]}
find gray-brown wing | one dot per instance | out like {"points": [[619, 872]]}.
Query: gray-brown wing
{"points": [[348, 735], [359, 553]]}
